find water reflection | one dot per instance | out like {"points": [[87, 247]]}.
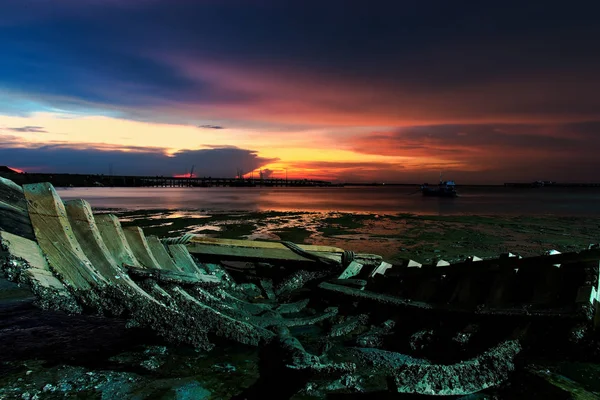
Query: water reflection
{"points": [[472, 200]]}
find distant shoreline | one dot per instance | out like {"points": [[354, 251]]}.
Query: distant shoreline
{"points": [[91, 180]]}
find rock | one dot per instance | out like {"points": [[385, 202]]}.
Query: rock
{"points": [[65, 387], [224, 367], [192, 391], [463, 337], [349, 382], [48, 388], [348, 325], [383, 359], [152, 364], [156, 350], [374, 337], [578, 333]]}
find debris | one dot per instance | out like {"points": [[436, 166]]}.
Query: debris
{"points": [[466, 377], [350, 324]]}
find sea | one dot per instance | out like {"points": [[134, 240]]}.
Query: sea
{"points": [[472, 200]]}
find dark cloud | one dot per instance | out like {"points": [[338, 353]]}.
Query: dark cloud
{"points": [[211, 126], [10, 140], [217, 162], [494, 153], [344, 165], [397, 50], [495, 82], [554, 138], [266, 173], [29, 129]]}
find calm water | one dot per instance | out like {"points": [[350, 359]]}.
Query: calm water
{"points": [[472, 200]]}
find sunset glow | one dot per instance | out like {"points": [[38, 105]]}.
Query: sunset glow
{"points": [[245, 90]]}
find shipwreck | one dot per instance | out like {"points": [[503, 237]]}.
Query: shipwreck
{"points": [[427, 329]]}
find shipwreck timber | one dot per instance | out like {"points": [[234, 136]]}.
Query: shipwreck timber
{"points": [[439, 329]]}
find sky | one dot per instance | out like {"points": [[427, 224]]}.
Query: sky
{"points": [[346, 91]]}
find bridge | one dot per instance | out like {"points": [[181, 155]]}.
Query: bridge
{"points": [[90, 180]]}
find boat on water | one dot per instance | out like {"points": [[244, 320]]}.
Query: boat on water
{"points": [[443, 189]]}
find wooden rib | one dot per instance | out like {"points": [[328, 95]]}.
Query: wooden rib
{"points": [[13, 210], [139, 245], [56, 239], [26, 249], [36, 268], [86, 232], [502, 288], [160, 254], [184, 259], [220, 323], [114, 239], [80, 213], [176, 277]]}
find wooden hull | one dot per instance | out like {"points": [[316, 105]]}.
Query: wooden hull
{"points": [[189, 289]]}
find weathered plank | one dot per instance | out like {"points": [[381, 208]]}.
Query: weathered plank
{"points": [[56, 239], [352, 270], [565, 388], [11, 193], [143, 307], [272, 253], [266, 254], [139, 245], [522, 310], [13, 210], [88, 236], [25, 263], [184, 259], [160, 254], [26, 249], [248, 252], [509, 261], [114, 239], [257, 244]]}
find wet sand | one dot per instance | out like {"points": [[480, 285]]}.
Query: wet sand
{"points": [[393, 236]]}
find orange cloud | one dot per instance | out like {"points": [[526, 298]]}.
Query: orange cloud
{"points": [[291, 95]]}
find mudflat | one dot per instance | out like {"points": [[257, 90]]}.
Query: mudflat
{"points": [[52, 355], [393, 236]]}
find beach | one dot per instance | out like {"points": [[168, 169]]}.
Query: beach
{"points": [[393, 236], [51, 355]]}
